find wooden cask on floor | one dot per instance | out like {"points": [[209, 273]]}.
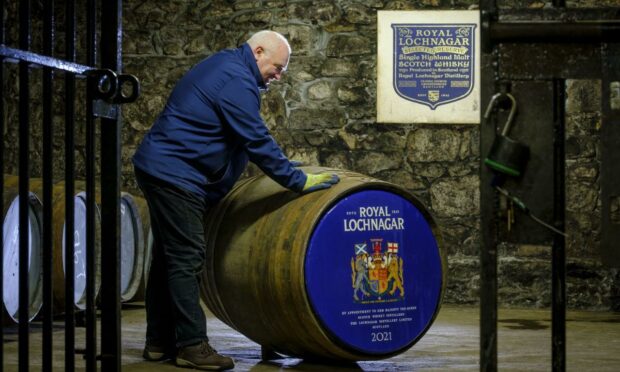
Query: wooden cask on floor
{"points": [[354, 272], [79, 249], [133, 241], [145, 220], [11, 254]]}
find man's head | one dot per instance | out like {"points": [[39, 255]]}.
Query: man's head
{"points": [[272, 52]]}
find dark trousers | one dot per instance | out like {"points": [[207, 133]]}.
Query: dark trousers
{"points": [[173, 313]]}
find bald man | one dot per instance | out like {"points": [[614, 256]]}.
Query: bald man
{"points": [[195, 151], [272, 52]]}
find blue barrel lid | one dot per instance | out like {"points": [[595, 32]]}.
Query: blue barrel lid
{"points": [[373, 272]]}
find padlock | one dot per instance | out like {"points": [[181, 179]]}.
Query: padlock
{"points": [[507, 155]]}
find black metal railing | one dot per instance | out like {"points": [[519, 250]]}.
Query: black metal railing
{"points": [[106, 89]]}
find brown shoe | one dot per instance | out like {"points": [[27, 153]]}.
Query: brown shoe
{"points": [[155, 353], [202, 356]]}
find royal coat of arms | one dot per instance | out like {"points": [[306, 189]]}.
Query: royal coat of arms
{"points": [[377, 276]]}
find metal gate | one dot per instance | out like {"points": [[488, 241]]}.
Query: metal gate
{"points": [[106, 88], [564, 44]]}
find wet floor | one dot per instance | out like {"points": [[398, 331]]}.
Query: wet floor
{"points": [[452, 343]]}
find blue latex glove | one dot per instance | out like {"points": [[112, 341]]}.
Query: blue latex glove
{"points": [[296, 163], [316, 182]]}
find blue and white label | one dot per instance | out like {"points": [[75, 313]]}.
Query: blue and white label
{"points": [[373, 272], [434, 63]]}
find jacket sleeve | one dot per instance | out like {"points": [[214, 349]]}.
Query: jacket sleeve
{"points": [[239, 105]]}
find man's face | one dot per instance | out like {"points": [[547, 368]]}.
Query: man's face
{"points": [[271, 63]]}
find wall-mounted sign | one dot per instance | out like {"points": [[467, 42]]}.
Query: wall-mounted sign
{"points": [[428, 67]]}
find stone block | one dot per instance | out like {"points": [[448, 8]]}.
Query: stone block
{"points": [[458, 196], [582, 197], [583, 96], [322, 14], [384, 140], [306, 118], [404, 178], [360, 14], [260, 18], [353, 95], [338, 68], [320, 90], [302, 38], [338, 160], [434, 144], [348, 45], [374, 162]]}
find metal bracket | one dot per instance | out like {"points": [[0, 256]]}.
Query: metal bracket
{"points": [[109, 89], [102, 109]]}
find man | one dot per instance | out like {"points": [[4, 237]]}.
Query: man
{"points": [[194, 153]]}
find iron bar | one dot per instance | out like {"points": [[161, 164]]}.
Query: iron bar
{"points": [[554, 32], [488, 304], [48, 133], [488, 248], [488, 258], [24, 167], [36, 60], [2, 7], [558, 263], [70, 55], [610, 156], [111, 38], [91, 313]]}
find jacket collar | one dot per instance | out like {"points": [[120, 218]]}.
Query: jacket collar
{"points": [[250, 61]]}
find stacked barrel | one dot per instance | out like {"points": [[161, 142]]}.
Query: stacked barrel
{"points": [[134, 247]]}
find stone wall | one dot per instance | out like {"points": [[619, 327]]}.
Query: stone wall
{"points": [[323, 112]]}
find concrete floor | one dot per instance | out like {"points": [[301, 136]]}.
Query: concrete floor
{"points": [[452, 343]]}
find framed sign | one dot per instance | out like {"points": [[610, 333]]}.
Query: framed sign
{"points": [[428, 67]]}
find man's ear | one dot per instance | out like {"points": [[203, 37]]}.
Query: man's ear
{"points": [[258, 51]]}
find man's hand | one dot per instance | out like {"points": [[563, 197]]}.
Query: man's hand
{"points": [[319, 181]]}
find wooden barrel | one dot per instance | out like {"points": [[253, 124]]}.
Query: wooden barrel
{"points": [[145, 218], [10, 252], [79, 250], [132, 246], [354, 272]]}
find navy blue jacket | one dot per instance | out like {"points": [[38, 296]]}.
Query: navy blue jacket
{"points": [[211, 126]]}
